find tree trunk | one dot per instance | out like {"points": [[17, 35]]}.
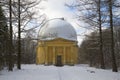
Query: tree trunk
{"points": [[10, 38], [101, 40], [114, 66], [19, 38]]}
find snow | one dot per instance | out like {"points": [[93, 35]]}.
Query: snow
{"points": [[57, 28], [41, 72]]}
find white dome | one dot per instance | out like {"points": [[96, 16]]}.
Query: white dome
{"points": [[57, 28]]}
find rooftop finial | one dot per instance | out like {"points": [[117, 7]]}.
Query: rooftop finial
{"points": [[62, 18]]}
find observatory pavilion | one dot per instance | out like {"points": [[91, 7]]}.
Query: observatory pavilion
{"points": [[57, 44]]}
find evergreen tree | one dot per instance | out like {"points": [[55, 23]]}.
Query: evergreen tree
{"points": [[3, 37]]}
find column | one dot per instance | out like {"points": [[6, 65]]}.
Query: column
{"points": [[64, 55], [71, 55], [54, 55], [46, 56]]}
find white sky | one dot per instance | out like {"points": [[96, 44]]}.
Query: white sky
{"points": [[57, 9]]}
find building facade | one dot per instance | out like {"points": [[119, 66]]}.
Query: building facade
{"points": [[57, 44]]}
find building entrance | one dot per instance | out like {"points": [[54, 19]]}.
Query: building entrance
{"points": [[59, 60]]}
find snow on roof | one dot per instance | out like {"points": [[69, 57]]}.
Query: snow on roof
{"points": [[57, 28]]}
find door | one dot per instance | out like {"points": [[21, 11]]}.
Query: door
{"points": [[59, 60]]}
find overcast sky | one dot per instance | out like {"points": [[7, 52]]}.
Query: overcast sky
{"points": [[57, 9]]}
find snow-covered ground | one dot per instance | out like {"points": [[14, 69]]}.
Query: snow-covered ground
{"points": [[41, 72]]}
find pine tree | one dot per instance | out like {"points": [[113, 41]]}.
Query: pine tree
{"points": [[3, 37]]}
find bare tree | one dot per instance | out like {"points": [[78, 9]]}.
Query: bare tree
{"points": [[114, 65], [10, 39], [19, 38], [19, 24], [91, 13], [20, 16], [100, 32]]}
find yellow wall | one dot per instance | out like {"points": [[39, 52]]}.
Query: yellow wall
{"points": [[47, 51]]}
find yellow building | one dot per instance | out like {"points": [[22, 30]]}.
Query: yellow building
{"points": [[57, 43]]}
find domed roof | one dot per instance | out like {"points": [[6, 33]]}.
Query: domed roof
{"points": [[57, 28]]}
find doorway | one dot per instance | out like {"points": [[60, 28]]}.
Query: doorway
{"points": [[59, 60]]}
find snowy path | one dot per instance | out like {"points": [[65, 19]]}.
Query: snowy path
{"points": [[40, 72]]}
